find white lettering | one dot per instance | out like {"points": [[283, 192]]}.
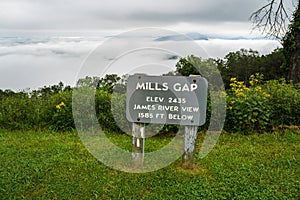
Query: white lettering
{"points": [[177, 87], [185, 87], [194, 86], [143, 107], [155, 99], [167, 108], [160, 115], [152, 86], [190, 109], [140, 86], [165, 86], [180, 117]]}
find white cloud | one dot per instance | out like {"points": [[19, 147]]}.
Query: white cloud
{"points": [[37, 61], [218, 48], [45, 61]]}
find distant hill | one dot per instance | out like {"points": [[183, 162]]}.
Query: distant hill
{"points": [[179, 37], [198, 36]]}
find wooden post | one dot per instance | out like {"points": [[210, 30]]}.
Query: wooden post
{"points": [[138, 143], [190, 135]]}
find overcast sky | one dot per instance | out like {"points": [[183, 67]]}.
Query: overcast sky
{"points": [[57, 35], [121, 14]]}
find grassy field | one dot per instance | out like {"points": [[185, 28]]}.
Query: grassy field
{"points": [[50, 165]]}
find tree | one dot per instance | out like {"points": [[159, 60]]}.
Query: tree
{"points": [[109, 82], [88, 81], [291, 45], [185, 68], [106, 83], [240, 64], [271, 65], [47, 90], [243, 63], [273, 18]]}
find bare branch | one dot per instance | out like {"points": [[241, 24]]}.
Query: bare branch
{"points": [[272, 19]]}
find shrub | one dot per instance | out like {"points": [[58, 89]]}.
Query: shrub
{"points": [[104, 112], [248, 108], [284, 103], [254, 108], [16, 112], [118, 108], [22, 112], [61, 107]]}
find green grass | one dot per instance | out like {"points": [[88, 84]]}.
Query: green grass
{"points": [[50, 165]]}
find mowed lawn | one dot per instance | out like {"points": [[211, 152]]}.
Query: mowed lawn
{"points": [[50, 165]]}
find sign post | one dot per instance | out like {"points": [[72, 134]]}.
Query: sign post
{"points": [[190, 135], [138, 143], [166, 100]]}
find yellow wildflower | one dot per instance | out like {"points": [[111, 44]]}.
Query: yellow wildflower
{"points": [[233, 79], [240, 94], [267, 95], [233, 85], [58, 106], [258, 88]]}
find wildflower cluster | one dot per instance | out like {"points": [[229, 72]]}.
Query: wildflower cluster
{"points": [[238, 88], [62, 118], [255, 82], [247, 106], [60, 106]]}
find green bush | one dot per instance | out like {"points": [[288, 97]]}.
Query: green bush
{"points": [[62, 118], [284, 103], [23, 112], [118, 108], [254, 108], [16, 112], [104, 111]]}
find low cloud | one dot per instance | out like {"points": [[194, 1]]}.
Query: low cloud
{"points": [[32, 63]]}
